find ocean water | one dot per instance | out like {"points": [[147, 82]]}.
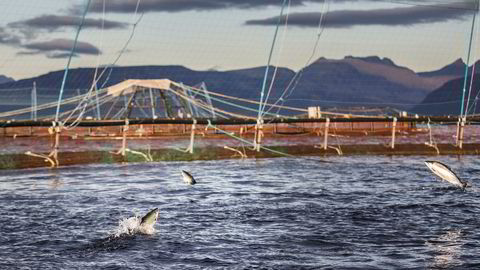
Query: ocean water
{"points": [[286, 213]]}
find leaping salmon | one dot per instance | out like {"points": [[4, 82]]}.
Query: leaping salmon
{"points": [[150, 218], [444, 172], [188, 178]]}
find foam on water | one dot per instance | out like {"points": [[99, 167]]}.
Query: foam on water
{"points": [[131, 226]]}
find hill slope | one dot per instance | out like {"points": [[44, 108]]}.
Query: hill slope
{"points": [[348, 82]]}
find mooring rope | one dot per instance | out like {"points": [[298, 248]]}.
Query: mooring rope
{"points": [[199, 91], [245, 141], [124, 48], [216, 109], [70, 59], [473, 72], [296, 78], [269, 60], [282, 44], [468, 62]]}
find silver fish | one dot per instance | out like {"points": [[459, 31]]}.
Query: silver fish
{"points": [[150, 218], [188, 178], [444, 172]]}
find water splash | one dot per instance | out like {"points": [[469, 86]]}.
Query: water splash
{"points": [[131, 226]]}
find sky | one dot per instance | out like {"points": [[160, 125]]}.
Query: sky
{"points": [[36, 37]]}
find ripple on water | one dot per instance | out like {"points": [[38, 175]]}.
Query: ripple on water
{"points": [[285, 213]]}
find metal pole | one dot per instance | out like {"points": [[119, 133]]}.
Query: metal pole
{"points": [[458, 132], [124, 137], [430, 132], [152, 103], [325, 139], [258, 134], [192, 136], [394, 125], [460, 140], [34, 102]]}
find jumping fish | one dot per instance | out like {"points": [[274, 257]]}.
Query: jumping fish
{"points": [[150, 218], [188, 178], [444, 172]]}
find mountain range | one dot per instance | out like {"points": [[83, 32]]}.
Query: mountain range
{"points": [[349, 82], [4, 79]]}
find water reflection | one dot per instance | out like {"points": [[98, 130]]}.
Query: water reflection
{"points": [[447, 249], [56, 181]]}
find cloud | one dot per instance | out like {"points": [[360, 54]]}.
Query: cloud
{"points": [[53, 55], [404, 16], [61, 55], [129, 6], [54, 22], [59, 48], [8, 38]]}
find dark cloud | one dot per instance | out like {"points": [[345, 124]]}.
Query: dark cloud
{"points": [[58, 48], [53, 55], [60, 55], [409, 15], [54, 22], [129, 6], [8, 38]]}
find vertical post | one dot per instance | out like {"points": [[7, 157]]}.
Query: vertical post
{"points": [[460, 139], [99, 116], [34, 102], [55, 130], [56, 146], [258, 134], [192, 136], [152, 103], [394, 126], [325, 139], [430, 131], [124, 138], [458, 132]]}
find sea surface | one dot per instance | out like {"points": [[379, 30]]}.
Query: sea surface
{"points": [[285, 213]]}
